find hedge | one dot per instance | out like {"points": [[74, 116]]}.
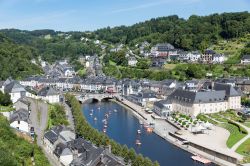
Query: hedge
{"points": [[241, 129]]}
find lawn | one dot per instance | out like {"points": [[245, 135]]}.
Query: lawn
{"points": [[247, 124], [206, 119], [235, 134], [6, 108], [217, 117], [244, 149], [169, 66]]}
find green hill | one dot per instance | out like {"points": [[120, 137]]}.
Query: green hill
{"points": [[16, 59], [232, 48]]}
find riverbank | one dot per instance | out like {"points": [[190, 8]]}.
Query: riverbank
{"points": [[163, 132]]}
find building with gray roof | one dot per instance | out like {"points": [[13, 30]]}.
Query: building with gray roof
{"points": [[221, 98]]}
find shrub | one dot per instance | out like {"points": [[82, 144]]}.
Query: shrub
{"points": [[241, 129]]}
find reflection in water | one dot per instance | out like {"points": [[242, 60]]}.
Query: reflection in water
{"points": [[120, 125]]}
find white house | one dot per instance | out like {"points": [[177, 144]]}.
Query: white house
{"points": [[14, 89], [64, 154], [49, 94], [219, 58], [163, 108], [194, 56], [245, 60], [51, 137], [132, 61], [20, 120]]}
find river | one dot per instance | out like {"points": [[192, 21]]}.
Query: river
{"points": [[123, 126]]}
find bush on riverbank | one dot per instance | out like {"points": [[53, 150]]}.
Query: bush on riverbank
{"points": [[88, 132]]}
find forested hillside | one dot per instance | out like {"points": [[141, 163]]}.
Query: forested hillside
{"points": [[197, 32], [53, 45], [15, 151], [15, 59]]}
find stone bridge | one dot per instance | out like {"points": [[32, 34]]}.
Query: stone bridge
{"points": [[98, 97]]}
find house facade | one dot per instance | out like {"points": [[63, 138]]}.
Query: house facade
{"points": [[14, 89], [20, 120], [221, 98]]}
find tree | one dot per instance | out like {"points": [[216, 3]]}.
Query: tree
{"points": [[5, 99]]}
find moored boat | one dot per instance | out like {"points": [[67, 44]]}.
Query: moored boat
{"points": [[138, 142]]}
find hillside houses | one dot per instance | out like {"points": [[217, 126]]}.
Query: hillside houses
{"points": [[71, 151], [163, 50], [161, 53]]}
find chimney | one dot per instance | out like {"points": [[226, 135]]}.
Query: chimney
{"points": [[102, 161], [212, 85], [86, 154], [75, 153]]}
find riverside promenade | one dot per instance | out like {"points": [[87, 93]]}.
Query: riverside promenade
{"points": [[215, 140]]}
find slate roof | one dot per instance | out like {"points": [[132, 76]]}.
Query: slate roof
{"points": [[197, 97], [13, 86], [147, 94], [20, 115], [209, 52], [88, 152], [47, 91], [1, 83], [24, 101], [59, 149], [245, 57], [52, 134], [109, 159], [230, 90]]}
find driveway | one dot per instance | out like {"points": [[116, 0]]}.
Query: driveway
{"points": [[39, 118]]}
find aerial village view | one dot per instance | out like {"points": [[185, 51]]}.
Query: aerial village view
{"points": [[124, 83]]}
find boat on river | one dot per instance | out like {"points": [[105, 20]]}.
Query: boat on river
{"points": [[138, 142], [201, 159], [95, 119]]}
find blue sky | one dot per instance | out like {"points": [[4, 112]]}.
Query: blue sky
{"points": [[81, 15]]}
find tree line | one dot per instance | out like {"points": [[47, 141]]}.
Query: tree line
{"points": [[197, 32], [88, 132]]}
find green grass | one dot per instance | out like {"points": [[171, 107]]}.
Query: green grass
{"points": [[6, 108], [169, 66], [112, 63], [244, 149], [206, 119], [235, 134], [232, 48], [247, 124]]}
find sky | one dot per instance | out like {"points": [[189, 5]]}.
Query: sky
{"points": [[82, 15]]}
